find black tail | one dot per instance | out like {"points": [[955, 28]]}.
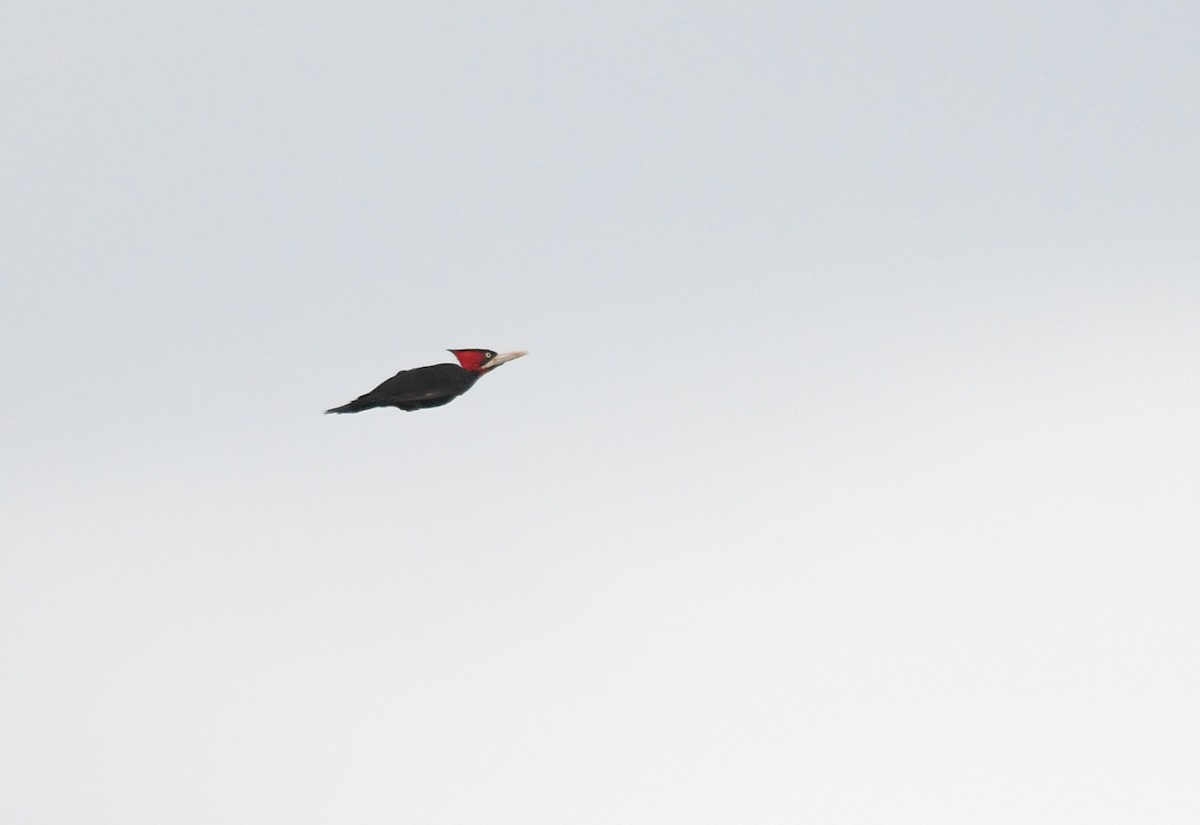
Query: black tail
{"points": [[357, 405]]}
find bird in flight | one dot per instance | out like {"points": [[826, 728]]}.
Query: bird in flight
{"points": [[431, 386]]}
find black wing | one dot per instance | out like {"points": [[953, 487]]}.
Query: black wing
{"points": [[415, 389]]}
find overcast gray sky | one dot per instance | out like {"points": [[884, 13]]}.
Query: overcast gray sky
{"points": [[851, 477]]}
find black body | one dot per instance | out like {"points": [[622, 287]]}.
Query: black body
{"points": [[415, 389]]}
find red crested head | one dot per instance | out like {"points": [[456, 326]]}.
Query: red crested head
{"points": [[480, 361], [472, 360]]}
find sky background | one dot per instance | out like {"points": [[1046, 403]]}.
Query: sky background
{"points": [[851, 477]]}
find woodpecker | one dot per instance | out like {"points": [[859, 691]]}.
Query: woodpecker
{"points": [[431, 386]]}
